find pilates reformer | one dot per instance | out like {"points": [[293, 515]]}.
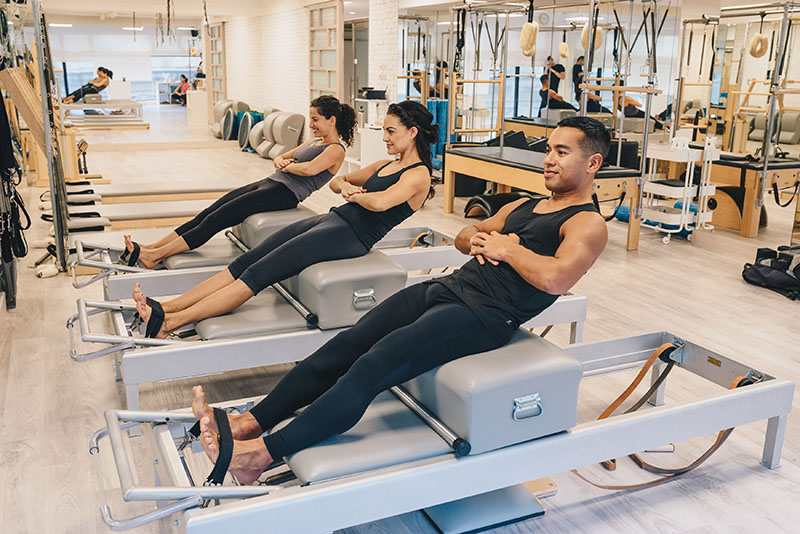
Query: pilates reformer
{"points": [[162, 191], [469, 432], [281, 324], [414, 248]]}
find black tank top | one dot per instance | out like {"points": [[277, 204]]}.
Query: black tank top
{"points": [[371, 226], [500, 297]]}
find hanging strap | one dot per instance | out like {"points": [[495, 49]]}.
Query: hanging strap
{"points": [[777, 195]]}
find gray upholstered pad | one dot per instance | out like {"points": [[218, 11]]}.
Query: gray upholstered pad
{"points": [[265, 313], [84, 197], [215, 252], [258, 226], [475, 395], [76, 223], [330, 288], [146, 210], [387, 434]]}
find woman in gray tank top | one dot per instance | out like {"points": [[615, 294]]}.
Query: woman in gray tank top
{"points": [[298, 173]]}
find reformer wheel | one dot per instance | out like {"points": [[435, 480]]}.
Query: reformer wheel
{"points": [[665, 239]]}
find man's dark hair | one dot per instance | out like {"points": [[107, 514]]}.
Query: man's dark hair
{"points": [[549, 58], [579, 58], [596, 138], [544, 78]]}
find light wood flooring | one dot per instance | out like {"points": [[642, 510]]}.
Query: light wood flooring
{"points": [[50, 405]]}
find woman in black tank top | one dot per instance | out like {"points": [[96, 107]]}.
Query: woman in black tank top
{"points": [[298, 172], [379, 197]]}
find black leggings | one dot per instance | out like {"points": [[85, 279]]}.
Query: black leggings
{"points": [[234, 207], [639, 114], [293, 248], [87, 89], [411, 332]]}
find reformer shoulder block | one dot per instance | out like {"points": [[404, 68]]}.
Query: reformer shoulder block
{"points": [[340, 292], [478, 396], [254, 229]]}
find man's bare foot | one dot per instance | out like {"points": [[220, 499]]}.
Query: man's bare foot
{"points": [[200, 407], [250, 458], [243, 426]]}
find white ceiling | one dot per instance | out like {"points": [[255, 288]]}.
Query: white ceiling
{"points": [[183, 8]]}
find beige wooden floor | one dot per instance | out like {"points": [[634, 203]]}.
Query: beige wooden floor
{"points": [[49, 405]]}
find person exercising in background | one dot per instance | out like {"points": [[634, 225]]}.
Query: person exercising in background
{"points": [[298, 173], [577, 78], [523, 258], [92, 87], [630, 108], [556, 71], [549, 98], [179, 93], [593, 104]]}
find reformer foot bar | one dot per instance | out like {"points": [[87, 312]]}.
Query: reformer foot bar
{"points": [[526, 429]]}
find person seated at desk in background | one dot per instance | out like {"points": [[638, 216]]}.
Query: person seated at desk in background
{"points": [[630, 108], [179, 93], [551, 99], [93, 87]]}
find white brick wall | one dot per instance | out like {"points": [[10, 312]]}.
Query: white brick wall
{"points": [[383, 45], [267, 58]]}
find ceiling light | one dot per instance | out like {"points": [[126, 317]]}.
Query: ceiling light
{"points": [[133, 29], [186, 28], [446, 23], [352, 12], [59, 25]]}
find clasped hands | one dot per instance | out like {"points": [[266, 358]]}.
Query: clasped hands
{"points": [[492, 247], [348, 191]]}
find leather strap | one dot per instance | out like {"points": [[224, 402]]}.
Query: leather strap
{"points": [[156, 319], [668, 473], [217, 475], [777, 196]]}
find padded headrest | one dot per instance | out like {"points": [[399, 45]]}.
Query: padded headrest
{"points": [[521, 391]]}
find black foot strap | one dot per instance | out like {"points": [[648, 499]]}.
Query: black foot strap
{"points": [[156, 319], [134, 255], [217, 475]]}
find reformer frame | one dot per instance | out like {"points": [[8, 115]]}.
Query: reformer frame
{"points": [[447, 478]]}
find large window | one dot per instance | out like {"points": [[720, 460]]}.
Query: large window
{"points": [[170, 68]]}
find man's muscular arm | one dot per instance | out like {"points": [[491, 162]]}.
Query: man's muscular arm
{"points": [[584, 238]]}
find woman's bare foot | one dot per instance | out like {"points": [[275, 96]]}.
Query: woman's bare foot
{"points": [[141, 302], [243, 426], [145, 310], [146, 256], [250, 458]]}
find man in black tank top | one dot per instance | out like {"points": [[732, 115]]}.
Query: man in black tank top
{"points": [[526, 255]]}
